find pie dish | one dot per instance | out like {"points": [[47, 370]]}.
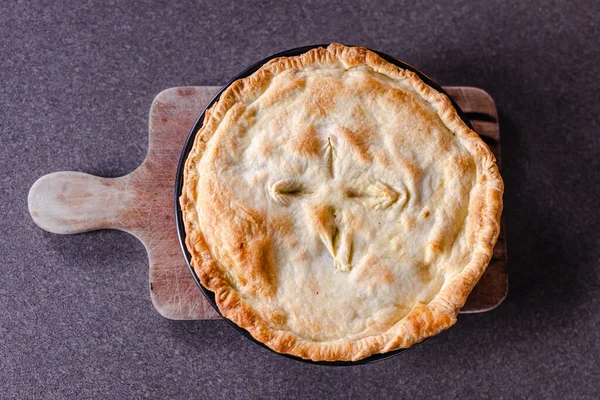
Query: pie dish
{"points": [[338, 206]]}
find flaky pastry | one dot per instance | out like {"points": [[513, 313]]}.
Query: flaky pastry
{"points": [[338, 206]]}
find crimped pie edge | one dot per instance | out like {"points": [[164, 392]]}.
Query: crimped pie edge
{"points": [[424, 320]]}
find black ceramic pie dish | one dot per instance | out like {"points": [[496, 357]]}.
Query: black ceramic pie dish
{"points": [[210, 296]]}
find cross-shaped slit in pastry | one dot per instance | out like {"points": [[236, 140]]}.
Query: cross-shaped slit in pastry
{"points": [[326, 216]]}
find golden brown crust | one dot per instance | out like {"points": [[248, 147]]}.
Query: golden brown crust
{"points": [[270, 327]]}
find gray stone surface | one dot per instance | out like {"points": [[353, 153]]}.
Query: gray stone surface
{"points": [[76, 82]]}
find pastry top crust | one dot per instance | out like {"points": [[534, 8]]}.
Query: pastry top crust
{"points": [[338, 206]]}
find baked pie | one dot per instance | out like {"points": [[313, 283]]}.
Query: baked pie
{"points": [[338, 206]]}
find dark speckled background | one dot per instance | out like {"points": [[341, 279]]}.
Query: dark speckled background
{"points": [[76, 82]]}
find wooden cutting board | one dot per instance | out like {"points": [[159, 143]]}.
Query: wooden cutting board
{"points": [[141, 202]]}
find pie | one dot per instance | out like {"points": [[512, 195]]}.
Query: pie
{"points": [[338, 206]]}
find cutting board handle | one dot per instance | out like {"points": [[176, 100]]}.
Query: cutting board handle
{"points": [[73, 202]]}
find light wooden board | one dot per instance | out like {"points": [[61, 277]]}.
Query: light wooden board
{"points": [[141, 202]]}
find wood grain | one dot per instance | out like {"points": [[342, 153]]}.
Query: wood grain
{"points": [[141, 202]]}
